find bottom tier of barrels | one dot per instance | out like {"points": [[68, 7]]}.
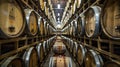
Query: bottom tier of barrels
{"points": [[33, 56], [88, 57]]}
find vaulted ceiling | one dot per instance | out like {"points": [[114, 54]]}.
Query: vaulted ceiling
{"points": [[58, 7]]}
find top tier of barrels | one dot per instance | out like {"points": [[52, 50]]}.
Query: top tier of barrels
{"points": [[14, 20], [95, 17]]}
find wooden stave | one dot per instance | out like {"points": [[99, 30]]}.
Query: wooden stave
{"points": [[80, 22], [74, 28], [68, 44], [41, 5], [11, 60], [28, 12], [39, 47], [102, 22], [45, 48], [45, 27], [83, 50], [71, 29], [97, 58], [75, 48], [3, 35], [27, 55], [41, 26], [48, 45], [39, 22], [71, 45], [97, 13]]}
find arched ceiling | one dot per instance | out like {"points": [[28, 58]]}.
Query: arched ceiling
{"points": [[58, 7]]}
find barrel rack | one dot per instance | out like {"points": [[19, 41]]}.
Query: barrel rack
{"points": [[12, 46], [19, 44], [34, 5], [106, 46]]}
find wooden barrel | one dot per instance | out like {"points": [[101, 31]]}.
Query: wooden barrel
{"points": [[32, 21], [80, 25], [30, 57], [45, 48], [45, 27], [74, 28], [75, 48], [80, 54], [111, 64], [59, 48], [80, 3], [74, 7], [111, 19], [40, 52], [60, 61], [68, 43], [93, 59], [42, 4], [71, 28], [12, 61], [41, 26], [48, 45], [12, 19], [92, 21], [71, 45]]}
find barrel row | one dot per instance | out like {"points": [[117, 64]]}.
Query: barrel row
{"points": [[87, 57], [98, 19], [59, 59], [16, 21], [31, 57]]}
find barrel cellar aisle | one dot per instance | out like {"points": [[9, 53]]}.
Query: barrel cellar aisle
{"points": [[59, 33], [59, 47]]}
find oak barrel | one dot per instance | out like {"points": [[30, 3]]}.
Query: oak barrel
{"points": [[32, 21], [80, 54], [30, 57], [92, 21], [81, 25], [12, 19], [48, 45], [12, 61], [111, 18], [93, 59], [71, 45], [41, 26], [75, 48], [74, 28], [40, 52], [42, 4], [45, 48], [60, 61]]}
